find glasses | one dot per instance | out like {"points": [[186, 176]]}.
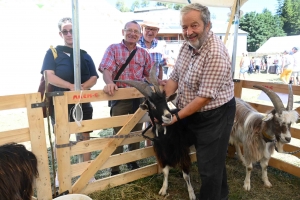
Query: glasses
{"points": [[132, 31], [65, 32], [151, 29]]}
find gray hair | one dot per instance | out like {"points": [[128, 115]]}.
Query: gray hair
{"points": [[62, 21], [132, 22], [205, 14]]}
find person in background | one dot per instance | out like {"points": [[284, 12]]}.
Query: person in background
{"points": [[138, 69], [287, 65], [257, 65], [269, 63], [205, 87], [296, 66], [244, 65], [155, 48], [60, 73]]}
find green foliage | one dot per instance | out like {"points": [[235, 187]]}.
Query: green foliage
{"points": [[289, 12], [174, 6], [120, 5], [145, 3], [135, 4], [260, 27]]}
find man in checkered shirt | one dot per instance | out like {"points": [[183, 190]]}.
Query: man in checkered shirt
{"points": [[203, 80], [138, 69]]}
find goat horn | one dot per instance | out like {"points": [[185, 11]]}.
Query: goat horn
{"points": [[291, 98], [142, 87], [278, 105], [153, 79]]}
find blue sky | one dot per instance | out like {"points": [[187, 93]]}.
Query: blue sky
{"points": [[250, 5]]}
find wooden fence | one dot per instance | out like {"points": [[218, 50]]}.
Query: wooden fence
{"points": [[34, 133], [66, 171]]}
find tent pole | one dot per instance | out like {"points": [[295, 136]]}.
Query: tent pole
{"points": [[76, 57], [233, 8], [236, 28]]}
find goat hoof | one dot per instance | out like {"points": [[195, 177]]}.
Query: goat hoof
{"points": [[247, 187], [192, 196], [162, 192], [268, 184]]}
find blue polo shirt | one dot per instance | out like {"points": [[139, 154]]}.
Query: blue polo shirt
{"points": [[64, 69]]}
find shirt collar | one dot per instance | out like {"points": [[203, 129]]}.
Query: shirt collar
{"points": [[126, 46], [153, 43]]}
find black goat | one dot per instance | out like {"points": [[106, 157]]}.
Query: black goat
{"points": [[18, 169], [171, 143]]}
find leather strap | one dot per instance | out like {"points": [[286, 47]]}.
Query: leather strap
{"points": [[125, 64]]}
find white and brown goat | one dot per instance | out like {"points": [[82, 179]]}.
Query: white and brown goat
{"points": [[258, 133], [171, 143]]}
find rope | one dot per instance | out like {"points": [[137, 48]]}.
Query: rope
{"points": [[78, 122]]}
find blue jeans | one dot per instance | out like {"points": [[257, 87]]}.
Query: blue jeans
{"points": [[212, 130]]}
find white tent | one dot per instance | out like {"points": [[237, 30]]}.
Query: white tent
{"points": [[278, 44]]}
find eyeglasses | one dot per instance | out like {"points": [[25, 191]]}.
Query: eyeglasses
{"points": [[151, 29], [132, 31], [65, 32]]}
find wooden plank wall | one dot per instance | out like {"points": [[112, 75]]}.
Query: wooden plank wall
{"points": [[34, 133]]}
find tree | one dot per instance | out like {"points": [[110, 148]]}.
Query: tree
{"points": [[120, 5], [145, 3], [135, 4], [289, 12], [260, 27]]}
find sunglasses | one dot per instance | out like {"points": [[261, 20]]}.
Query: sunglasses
{"points": [[65, 32]]}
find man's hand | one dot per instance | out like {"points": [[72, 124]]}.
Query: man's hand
{"points": [[110, 88], [162, 82]]}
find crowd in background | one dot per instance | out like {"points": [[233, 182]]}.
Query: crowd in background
{"points": [[285, 64]]}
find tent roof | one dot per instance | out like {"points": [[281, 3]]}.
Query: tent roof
{"points": [[212, 3], [279, 44]]}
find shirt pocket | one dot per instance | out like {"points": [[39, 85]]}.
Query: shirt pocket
{"points": [[120, 61]]}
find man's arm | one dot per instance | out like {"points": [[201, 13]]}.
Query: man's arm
{"points": [[89, 83], [170, 87], [110, 85]]}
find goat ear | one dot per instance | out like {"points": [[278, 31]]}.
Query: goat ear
{"points": [[172, 97], [268, 117], [144, 106]]}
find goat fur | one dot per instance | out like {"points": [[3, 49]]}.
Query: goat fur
{"points": [[258, 134], [18, 169]]}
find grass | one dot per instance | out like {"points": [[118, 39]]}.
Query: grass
{"points": [[285, 186]]}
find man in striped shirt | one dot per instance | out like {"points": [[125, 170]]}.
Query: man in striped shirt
{"points": [[203, 79], [153, 46], [138, 69]]}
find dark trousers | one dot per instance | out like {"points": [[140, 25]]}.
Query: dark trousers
{"points": [[125, 107], [212, 130]]}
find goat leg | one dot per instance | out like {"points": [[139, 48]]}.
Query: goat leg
{"points": [[264, 164], [163, 190], [247, 186], [189, 185]]}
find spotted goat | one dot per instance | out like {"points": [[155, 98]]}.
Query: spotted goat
{"points": [[260, 134], [171, 143]]}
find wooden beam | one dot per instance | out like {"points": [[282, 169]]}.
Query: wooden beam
{"points": [[233, 8]]}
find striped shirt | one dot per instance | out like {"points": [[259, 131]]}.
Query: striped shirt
{"points": [[207, 74], [155, 51], [116, 55]]}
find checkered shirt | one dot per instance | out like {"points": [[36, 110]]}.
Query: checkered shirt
{"points": [[207, 74], [155, 51], [116, 55]]}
